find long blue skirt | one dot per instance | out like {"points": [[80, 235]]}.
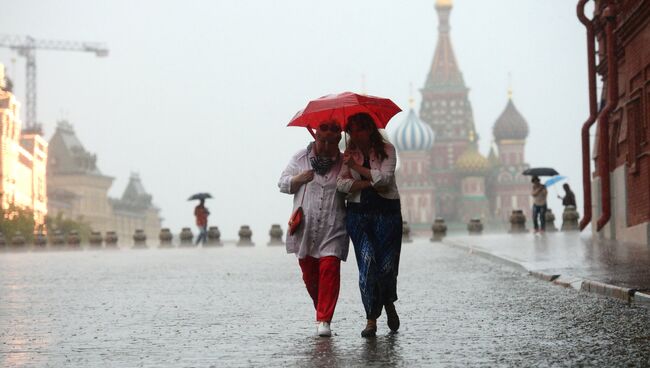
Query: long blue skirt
{"points": [[377, 239]]}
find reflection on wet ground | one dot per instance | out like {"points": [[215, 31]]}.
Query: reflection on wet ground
{"points": [[572, 255], [234, 306]]}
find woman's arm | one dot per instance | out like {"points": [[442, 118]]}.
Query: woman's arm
{"points": [[287, 183], [385, 175]]}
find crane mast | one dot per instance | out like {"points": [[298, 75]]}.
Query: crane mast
{"points": [[26, 47]]}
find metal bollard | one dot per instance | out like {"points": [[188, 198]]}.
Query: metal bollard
{"points": [[165, 236], [186, 236], [570, 218], [245, 236], [111, 239], [517, 222], [73, 239], [439, 229], [276, 235], [214, 237], [475, 227], [18, 240], [139, 239], [550, 221]]}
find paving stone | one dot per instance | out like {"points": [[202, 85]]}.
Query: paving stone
{"points": [[242, 307]]}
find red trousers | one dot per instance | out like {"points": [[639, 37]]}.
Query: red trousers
{"points": [[322, 278]]}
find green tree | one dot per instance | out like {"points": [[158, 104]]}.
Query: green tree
{"points": [[66, 225], [16, 218]]}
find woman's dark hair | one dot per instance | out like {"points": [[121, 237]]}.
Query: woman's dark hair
{"points": [[364, 120]]}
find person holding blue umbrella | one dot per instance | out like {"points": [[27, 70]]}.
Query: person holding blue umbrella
{"points": [[569, 198]]}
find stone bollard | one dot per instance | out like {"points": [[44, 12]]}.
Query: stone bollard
{"points": [[550, 221], [18, 240], [95, 240], [214, 236], [139, 239], [475, 227], [186, 236], [111, 239], [517, 222], [165, 236], [406, 233], [40, 240], [570, 219], [276, 235], [245, 236], [58, 238], [73, 239], [439, 229]]}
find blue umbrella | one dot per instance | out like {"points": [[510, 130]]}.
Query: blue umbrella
{"points": [[553, 180]]}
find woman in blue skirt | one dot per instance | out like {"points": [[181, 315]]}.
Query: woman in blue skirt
{"points": [[373, 219]]}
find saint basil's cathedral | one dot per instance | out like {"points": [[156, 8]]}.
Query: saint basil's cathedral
{"points": [[441, 171]]}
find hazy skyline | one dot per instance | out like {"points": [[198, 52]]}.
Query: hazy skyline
{"points": [[196, 96]]}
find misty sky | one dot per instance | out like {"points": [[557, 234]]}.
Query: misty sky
{"points": [[195, 96]]}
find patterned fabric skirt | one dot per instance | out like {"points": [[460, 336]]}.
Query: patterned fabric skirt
{"points": [[377, 239]]}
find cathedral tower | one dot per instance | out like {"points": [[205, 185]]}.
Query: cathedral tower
{"points": [[446, 108]]}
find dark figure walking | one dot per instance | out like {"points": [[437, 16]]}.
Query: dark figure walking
{"points": [[569, 198], [201, 213], [539, 194]]}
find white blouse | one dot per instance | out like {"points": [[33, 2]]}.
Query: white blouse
{"points": [[382, 172], [322, 232]]}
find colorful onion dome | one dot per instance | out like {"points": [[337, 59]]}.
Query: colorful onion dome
{"points": [[472, 162], [413, 134], [510, 125]]}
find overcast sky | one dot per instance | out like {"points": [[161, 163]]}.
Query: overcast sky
{"points": [[196, 95]]}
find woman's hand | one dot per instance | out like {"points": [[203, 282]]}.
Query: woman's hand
{"points": [[348, 160], [304, 177]]}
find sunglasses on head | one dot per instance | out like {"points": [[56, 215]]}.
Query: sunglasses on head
{"points": [[334, 128]]}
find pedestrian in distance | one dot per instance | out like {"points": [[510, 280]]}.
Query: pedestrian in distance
{"points": [[201, 213], [569, 198], [539, 194], [320, 242], [374, 219]]}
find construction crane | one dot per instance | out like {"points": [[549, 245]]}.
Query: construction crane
{"points": [[26, 46]]}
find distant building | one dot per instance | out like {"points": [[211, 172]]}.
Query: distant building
{"points": [[617, 191], [23, 158], [78, 190], [442, 173]]}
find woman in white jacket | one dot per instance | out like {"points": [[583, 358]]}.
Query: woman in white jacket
{"points": [[321, 242], [374, 219]]}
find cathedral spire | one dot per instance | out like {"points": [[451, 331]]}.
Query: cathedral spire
{"points": [[445, 104], [444, 69]]}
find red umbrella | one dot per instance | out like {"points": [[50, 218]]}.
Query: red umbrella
{"points": [[340, 106]]}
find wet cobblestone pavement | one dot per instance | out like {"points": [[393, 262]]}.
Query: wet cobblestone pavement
{"points": [[247, 307]]}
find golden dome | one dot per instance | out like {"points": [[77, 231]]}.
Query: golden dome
{"points": [[472, 162], [444, 3]]}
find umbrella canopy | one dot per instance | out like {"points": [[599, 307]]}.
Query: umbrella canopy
{"points": [[340, 106], [553, 180], [199, 196], [541, 171]]}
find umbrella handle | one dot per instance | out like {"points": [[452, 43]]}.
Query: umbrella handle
{"points": [[310, 132]]}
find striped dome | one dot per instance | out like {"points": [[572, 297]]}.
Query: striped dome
{"points": [[413, 134]]}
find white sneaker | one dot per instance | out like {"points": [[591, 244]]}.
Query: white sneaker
{"points": [[324, 329]]}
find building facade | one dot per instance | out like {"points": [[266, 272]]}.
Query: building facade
{"points": [[617, 192], [23, 159], [456, 182], [78, 190]]}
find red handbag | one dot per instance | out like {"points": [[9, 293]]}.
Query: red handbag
{"points": [[296, 217]]}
